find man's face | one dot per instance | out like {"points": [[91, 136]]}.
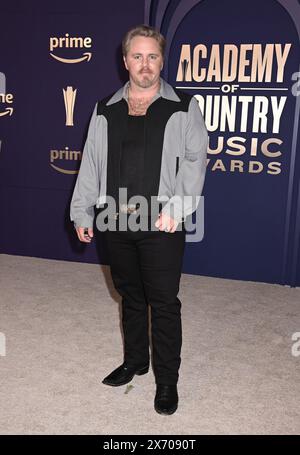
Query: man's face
{"points": [[144, 61]]}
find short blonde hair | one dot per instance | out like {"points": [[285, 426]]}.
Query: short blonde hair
{"points": [[143, 30]]}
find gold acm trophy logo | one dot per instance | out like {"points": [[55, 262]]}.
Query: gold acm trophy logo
{"points": [[69, 100], [66, 154]]}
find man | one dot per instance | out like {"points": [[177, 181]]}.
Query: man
{"points": [[150, 139]]}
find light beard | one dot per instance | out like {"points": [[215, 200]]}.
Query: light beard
{"points": [[145, 82]]}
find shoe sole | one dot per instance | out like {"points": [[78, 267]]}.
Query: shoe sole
{"points": [[160, 411], [138, 373]]}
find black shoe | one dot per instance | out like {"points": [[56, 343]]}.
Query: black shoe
{"points": [[166, 398], [123, 374]]}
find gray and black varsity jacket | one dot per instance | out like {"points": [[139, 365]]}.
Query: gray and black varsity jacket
{"points": [[175, 134]]}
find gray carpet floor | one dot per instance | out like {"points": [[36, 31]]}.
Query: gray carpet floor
{"points": [[61, 324]]}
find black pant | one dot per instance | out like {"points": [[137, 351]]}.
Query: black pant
{"points": [[146, 269]]}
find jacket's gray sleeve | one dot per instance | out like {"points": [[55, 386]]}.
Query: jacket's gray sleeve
{"points": [[191, 173], [86, 190]]}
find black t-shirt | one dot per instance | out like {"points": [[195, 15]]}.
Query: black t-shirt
{"points": [[132, 156]]}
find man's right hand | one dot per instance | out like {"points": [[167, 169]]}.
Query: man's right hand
{"points": [[85, 236]]}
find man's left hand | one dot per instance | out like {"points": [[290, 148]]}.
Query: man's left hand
{"points": [[166, 223]]}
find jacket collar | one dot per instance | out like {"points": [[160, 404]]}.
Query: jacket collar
{"points": [[166, 91]]}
